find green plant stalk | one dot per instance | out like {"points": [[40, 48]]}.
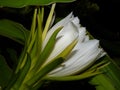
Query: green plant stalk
{"points": [[109, 79]]}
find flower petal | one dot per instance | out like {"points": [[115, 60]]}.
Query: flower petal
{"points": [[82, 58], [63, 22], [66, 36]]}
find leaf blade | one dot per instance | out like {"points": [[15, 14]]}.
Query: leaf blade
{"points": [[23, 3], [5, 72], [13, 31], [44, 70]]}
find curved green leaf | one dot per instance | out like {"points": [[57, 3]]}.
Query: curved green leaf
{"points": [[5, 72], [23, 73], [44, 71], [47, 50], [98, 82], [110, 79], [23, 3], [74, 77], [13, 31]]}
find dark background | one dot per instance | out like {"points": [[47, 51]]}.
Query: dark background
{"points": [[100, 17]]}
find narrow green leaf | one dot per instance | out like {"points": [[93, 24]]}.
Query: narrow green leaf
{"points": [[32, 31], [34, 45], [23, 73], [36, 49], [12, 80], [68, 49], [47, 50], [45, 70], [74, 77], [99, 64], [21, 59], [110, 77], [102, 82], [31, 43], [40, 29], [111, 72], [33, 26], [23, 3], [13, 31], [13, 57], [49, 19], [5, 72], [42, 14], [37, 62]]}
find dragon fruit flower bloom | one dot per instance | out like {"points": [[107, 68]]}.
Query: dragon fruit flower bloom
{"points": [[85, 52]]}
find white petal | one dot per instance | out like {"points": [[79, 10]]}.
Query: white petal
{"points": [[86, 38], [102, 53], [83, 54], [79, 60], [63, 22], [83, 46], [68, 34], [82, 34], [76, 21], [77, 66]]}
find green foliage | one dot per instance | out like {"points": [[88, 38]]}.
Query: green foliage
{"points": [[47, 50], [5, 72], [74, 77], [109, 79], [18, 33], [13, 31], [23, 3], [98, 82], [43, 71], [23, 73]]}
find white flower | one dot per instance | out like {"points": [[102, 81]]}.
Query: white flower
{"points": [[83, 54]]}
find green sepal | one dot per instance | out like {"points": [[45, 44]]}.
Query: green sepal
{"points": [[48, 22], [13, 30], [99, 64], [32, 36], [92, 71], [44, 71], [23, 73], [40, 28], [33, 27], [68, 49], [47, 50], [37, 45], [83, 75]]}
